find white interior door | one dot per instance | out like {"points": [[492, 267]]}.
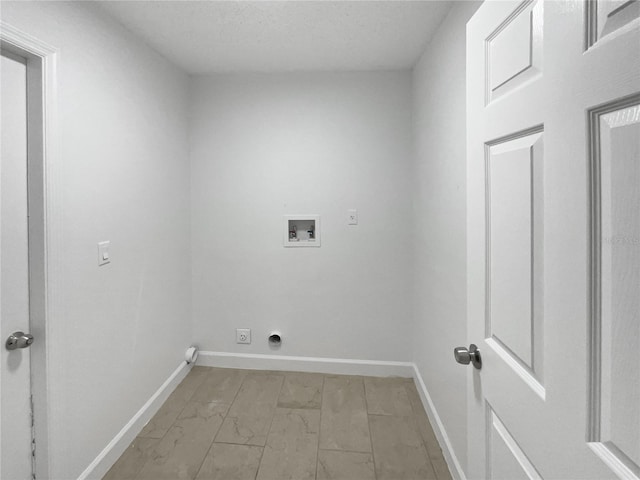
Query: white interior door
{"points": [[15, 428], [553, 103]]}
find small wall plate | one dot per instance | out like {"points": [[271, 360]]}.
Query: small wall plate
{"points": [[103, 253], [301, 230]]}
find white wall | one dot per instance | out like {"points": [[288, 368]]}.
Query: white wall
{"points": [[118, 331], [440, 216], [391, 288], [267, 145]]}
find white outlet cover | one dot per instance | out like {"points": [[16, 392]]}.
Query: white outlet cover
{"points": [[352, 217], [243, 335]]}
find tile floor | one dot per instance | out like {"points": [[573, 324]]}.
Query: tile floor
{"points": [[244, 424]]}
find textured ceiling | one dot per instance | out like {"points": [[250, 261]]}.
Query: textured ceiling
{"points": [[271, 36]]}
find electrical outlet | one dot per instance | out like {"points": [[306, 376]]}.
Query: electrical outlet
{"points": [[243, 335], [352, 217]]}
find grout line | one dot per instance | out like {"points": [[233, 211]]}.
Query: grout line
{"points": [[186, 401], [238, 444], [208, 373], [320, 425], [366, 403], [424, 447], [415, 422], [153, 450], [202, 382], [337, 450], [373, 455], [388, 415], [206, 376], [230, 404], [224, 417], [266, 438], [207, 454]]}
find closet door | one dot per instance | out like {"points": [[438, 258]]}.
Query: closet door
{"points": [[15, 375], [553, 105]]}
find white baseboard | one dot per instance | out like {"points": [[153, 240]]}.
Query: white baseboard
{"points": [[306, 364], [438, 428], [116, 447]]}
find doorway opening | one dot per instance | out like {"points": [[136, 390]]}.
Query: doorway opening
{"points": [[35, 62]]}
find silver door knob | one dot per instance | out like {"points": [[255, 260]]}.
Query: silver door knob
{"points": [[465, 357], [19, 340]]}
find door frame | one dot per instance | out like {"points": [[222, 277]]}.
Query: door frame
{"points": [[41, 152]]}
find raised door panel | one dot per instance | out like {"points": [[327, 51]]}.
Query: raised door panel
{"points": [[617, 286], [507, 460], [514, 50], [515, 217], [607, 16]]}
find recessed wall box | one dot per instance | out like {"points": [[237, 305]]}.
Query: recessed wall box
{"points": [[301, 230]]}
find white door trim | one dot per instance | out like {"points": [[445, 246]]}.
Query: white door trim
{"points": [[41, 92]]}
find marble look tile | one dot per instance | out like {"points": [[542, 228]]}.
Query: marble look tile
{"points": [[250, 414], [387, 396], [398, 450], [343, 424], [230, 462], [245, 430], [181, 451], [262, 372], [301, 390], [335, 465], [220, 386], [441, 468], [257, 389], [193, 380], [195, 411], [422, 422], [292, 446], [132, 460], [169, 411]]}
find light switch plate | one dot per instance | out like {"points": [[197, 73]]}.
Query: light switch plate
{"points": [[103, 253]]}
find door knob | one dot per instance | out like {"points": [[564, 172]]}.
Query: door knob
{"points": [[465, 357], [19, 340]]}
